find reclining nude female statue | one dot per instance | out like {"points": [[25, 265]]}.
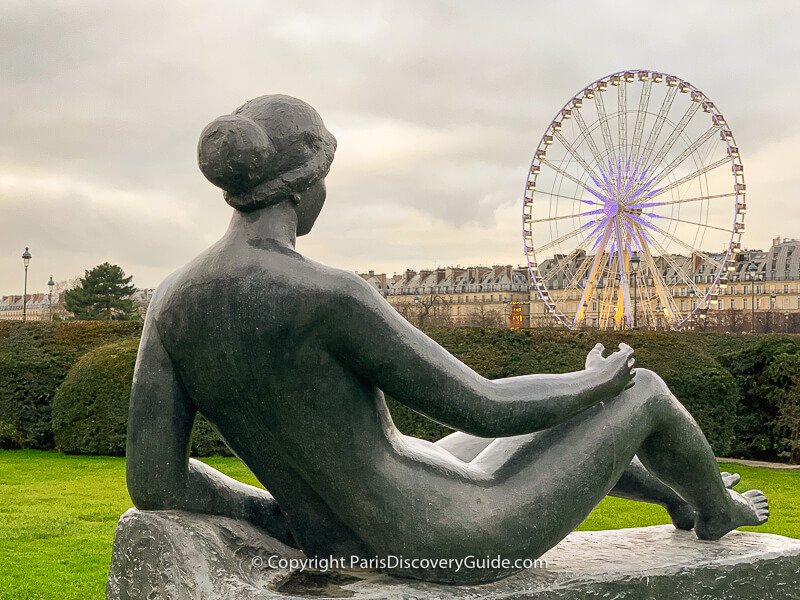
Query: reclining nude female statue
{"points": [[289, 360]]}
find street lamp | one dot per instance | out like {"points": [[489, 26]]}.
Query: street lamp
{"points": [[419, 312], [505, 312], [50, 284], [751, 271], [26, 260], [634, 263], [772, 297]]}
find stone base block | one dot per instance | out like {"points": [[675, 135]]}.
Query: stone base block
{"points": [[181, 556]]}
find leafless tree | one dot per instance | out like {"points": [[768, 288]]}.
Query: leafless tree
{"points": [[484, 316]]}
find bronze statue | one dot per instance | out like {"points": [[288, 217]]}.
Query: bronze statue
{"points": [[289, 359]]}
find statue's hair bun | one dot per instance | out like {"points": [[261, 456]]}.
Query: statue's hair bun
{"points": [[235, 153], [271, 149]]}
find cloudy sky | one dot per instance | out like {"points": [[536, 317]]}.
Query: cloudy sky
{"points": [[437, 106]]}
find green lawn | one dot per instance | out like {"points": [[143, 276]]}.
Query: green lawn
{"points": [[58, 513]]}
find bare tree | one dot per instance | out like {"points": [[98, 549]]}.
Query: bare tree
{"points": [[484, 316]]}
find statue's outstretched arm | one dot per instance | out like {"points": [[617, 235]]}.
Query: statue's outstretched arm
{"points": [[372, 339], [159, 472]]}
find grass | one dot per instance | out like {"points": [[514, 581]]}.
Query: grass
{"points": [[58, 513]]}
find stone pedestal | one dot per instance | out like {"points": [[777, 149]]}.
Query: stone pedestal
{"points": [[174, 555]]}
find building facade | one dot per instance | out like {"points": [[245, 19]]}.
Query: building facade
{"points": [[497, 296], [765, 297], [37, 307]]}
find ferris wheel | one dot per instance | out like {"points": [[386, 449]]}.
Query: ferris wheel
{"points": [[634, 205]]}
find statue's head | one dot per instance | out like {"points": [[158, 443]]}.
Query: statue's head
{"points": [[270, 150]]}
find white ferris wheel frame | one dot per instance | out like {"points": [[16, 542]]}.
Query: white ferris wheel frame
{"points": [[571, 110]]}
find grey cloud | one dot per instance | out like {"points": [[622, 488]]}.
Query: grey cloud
{"points": [[115, 94]]}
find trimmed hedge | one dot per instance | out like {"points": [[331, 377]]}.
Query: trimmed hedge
{"points": [[90, 410], [34, 359], [764, 407]]}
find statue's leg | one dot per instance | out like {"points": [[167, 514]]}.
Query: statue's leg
{"points": [[463, 445], [635, 483], [557, 476]]}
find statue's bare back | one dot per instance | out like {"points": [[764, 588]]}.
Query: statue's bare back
{"points": [[289, 360]]}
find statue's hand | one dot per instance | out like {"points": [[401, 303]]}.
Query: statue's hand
{"points": [[617, 371]]}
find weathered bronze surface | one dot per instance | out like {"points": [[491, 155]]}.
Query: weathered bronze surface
{"points": [[289, 359]]}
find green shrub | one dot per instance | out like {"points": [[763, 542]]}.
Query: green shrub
{"points": [[763, 374], [90, 410], [700, 383], [34, 359]]}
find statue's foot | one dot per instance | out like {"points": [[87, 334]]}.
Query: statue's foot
{"points": [[683, 515], [730, 479], [750, 508]]}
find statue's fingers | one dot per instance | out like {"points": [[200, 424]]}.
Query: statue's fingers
{"points": [[631, 362], [625, 348]]}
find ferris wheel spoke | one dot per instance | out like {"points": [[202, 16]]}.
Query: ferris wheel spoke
{"points": [[641, 116], [623, 299], [583, 200], [683, 200], [696, 145], [576, 155], [604, 128], [676, 220], [663, 292], [678, 182], [564, 261], [622, 120], [575, 279], [661, 118], [676, 133], [565, 237], [586, 134], [598, 257], [680, 242], [571, 216], [576, 181], [681, 273]]}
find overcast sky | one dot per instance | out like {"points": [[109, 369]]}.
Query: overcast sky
{"points": [[437, 106]]}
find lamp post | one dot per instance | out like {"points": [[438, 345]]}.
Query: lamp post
{"points": [[50, 284], [751, 271], [505, 313], [419, 313], [772, 297], [634, 263], [26, 260]]}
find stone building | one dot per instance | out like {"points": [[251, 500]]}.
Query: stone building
{"points": [[766, 298], [497, 296], [37, 307]]}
